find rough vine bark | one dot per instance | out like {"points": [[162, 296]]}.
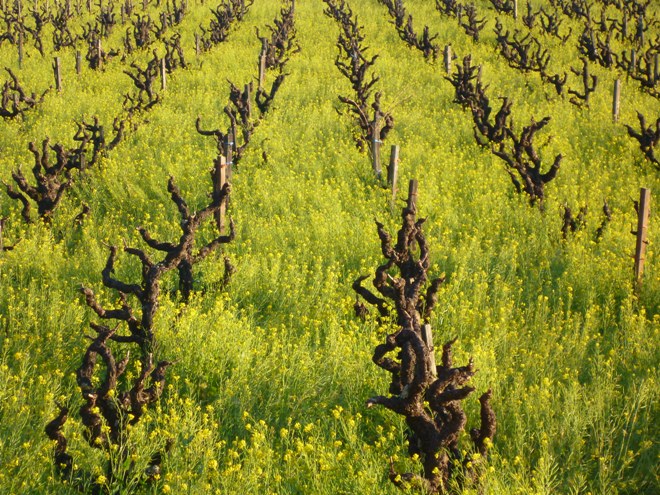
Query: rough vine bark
{"points": [[282, 41], [224, 15], [429, 398], [589, 83], [352, 62], [113, 403], [516, 150], [524, 164], [51, 181], [648, 138], [404, 26], [14, 100], [53, 177], [472, 26], [276, 52], [144, 81]]}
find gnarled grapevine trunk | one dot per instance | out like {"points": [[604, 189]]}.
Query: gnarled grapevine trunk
{"points": [[428, 396]]}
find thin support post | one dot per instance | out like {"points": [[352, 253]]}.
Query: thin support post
{"points": [[412, 195], [163, 75], [248, 99], [448, 59], [58, 73], [229, 153], [616, 102], [197, 44], [219, 182], [99, 53], [515, 9], [78, 62], [2, 245], [642, 227], [427, 335], [393, 171], [656, 68], [375, 146], [375, 151], [20, 49], [262, 69]]}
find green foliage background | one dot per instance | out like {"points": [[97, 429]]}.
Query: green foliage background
{"points": [[271, 377]]}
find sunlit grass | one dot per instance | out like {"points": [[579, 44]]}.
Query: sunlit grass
{"points": [[271, 376]]}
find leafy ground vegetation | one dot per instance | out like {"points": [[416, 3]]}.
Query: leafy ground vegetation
{"points": [[234, 361]]}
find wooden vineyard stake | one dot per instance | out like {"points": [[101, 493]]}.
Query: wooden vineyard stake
{"points": [[642, 227], [78, 62], [163, 75], [375, 151], [393, 171], [218, 183], [375, 146], [197, 44], [515, 9], [393, 168], [427, 335], [89, 5], [58, 73], [633, 61], [412, 195], [262, 69], [123, 16], [20, 49], [616, 103], [99, 52], [229, 154], [248, 90], [656, 68], [640, 30], [2, 224], [448, 59]]}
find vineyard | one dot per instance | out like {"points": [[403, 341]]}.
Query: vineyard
{"points": [[329, 246]]}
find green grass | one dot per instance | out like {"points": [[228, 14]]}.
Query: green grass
{"points": [[271, 377]]}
